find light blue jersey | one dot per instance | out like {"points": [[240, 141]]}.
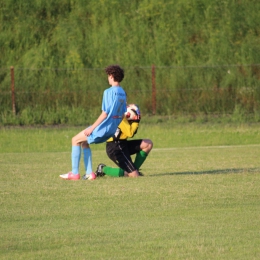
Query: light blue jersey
{"points": [[114, 104]]}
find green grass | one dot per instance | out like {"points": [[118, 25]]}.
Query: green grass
{"points": [[164, 134], [198, 199]]}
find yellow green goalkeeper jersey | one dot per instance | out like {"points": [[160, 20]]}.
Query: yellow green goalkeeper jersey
{"points": [[124, 130]]}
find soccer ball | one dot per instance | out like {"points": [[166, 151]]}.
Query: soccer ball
{"points": [[132, 112]]}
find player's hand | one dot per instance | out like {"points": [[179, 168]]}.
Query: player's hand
{"points": [[88, 131], [137, 118]]}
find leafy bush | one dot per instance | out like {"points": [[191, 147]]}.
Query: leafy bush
{"points": [[206, 55]]}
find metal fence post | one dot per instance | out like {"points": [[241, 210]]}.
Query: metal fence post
{"points": [[12, 90], [153, 90]]}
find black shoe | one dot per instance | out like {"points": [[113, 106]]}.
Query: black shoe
{"points": [[99, 172], [140, 174]]}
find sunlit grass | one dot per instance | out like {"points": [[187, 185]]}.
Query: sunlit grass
{"points": [[194, 202]]}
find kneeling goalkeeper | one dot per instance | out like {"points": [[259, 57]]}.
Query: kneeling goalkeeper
{"points": [[119, 149]]}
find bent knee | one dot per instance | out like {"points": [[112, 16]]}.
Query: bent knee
{"points": [[73, 140], [85, 145], [79, 138], [147, 145], [150, 143]]}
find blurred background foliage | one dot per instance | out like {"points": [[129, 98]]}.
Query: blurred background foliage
{"points": [[206, 54]]}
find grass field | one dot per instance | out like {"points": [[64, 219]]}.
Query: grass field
{"points": [[199, 198]]}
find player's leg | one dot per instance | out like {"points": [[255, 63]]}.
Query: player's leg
{"points": [[87, 155], [103, 169], [123, 159], [79, 138], [75, 156], [118, 153], [146, 146], [76, 142], [141, 148], [112, 149]]}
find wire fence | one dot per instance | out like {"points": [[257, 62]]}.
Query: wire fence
{"points": [[156, 89]]}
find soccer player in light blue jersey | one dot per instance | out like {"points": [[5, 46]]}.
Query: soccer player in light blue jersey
{"points": [[113, 109]]}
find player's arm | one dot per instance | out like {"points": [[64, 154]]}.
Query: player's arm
{"points": [[100, 119]]}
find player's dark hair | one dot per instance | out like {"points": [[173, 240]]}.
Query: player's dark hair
{"points": [[116, 71]]}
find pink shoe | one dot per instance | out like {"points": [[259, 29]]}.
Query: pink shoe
{"points": [[92, 176], [70, 176]]}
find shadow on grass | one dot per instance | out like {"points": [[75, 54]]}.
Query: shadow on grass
{"points": [[218, 171]]}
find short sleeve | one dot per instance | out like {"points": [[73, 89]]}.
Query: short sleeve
{"points": [[106, 101]]}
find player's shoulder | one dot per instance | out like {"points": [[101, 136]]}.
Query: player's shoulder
{"points": [[115, 91], [107, 92]]}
